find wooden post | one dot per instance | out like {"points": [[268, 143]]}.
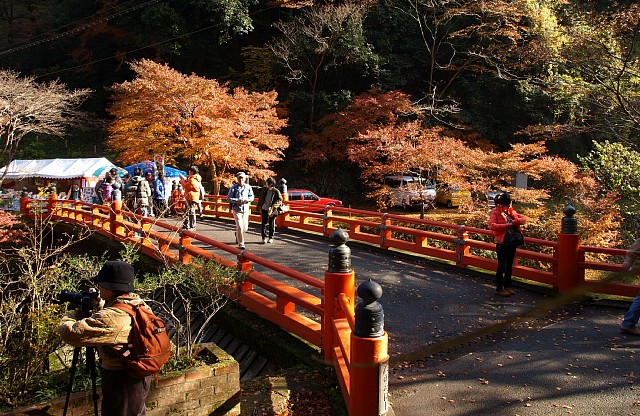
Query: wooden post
{"points": [[115, 220], [185, 241], [244, 266], [280, 218], [334, 284], [462, 249], [567, 277], [385, 233], [369, 376], [339, 278], [369, 365], [51, 204], [24, 202]]}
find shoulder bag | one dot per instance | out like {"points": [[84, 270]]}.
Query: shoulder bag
{"points": [[513, 238]]}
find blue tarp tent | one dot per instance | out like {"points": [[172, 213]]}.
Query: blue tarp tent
{"points": [[149, 166]]}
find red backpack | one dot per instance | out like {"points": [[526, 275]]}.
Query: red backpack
{"points": [[150, 346]]}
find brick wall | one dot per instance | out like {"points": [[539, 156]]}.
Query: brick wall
{"points": [[194, 392]]}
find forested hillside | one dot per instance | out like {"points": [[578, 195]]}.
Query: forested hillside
{"points": [[469, 91]]}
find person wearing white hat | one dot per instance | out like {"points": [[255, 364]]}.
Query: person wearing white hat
{"points": [[240, 197]]}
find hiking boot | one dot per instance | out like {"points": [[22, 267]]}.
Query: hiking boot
{"points": [[630, 330]]}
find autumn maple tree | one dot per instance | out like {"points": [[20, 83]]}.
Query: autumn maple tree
{"points": [[192, 117]]}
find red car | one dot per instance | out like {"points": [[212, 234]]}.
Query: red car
{"points": [[305, 200]]}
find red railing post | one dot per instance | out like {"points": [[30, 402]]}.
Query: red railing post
{"points": [[51, 203], [369, 367], [327, 222], [145, 227], [567, 277], [339, 278], [185, 241], [116, 228], [280, 218], [462, 249], [244, 266]]}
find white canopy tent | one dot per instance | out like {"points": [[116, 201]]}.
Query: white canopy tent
{"points": [[57, 168], [35, 174]]}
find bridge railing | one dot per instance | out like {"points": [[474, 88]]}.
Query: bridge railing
{"points": [[325, 318], [538, 260], [559, 266], [562, 265], [328, 320]]}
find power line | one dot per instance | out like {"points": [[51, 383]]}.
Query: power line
{"points": [[126, 53], [146, 46], [78, 29]]}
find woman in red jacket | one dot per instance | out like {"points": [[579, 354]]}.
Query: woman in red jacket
{"points": [[502, 218]]}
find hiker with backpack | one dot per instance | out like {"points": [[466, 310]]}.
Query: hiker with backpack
{"points": [[128, 354], [137, 193]]}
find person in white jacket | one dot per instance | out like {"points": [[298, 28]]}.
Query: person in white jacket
{"points": [[240, 197]]}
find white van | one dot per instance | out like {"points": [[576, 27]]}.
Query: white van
{"points": [[409, 191]]}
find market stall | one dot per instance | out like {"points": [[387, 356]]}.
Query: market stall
{"points": [[38, 175]]}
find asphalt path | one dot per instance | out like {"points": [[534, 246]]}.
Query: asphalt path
{"points": [[458, 349]]}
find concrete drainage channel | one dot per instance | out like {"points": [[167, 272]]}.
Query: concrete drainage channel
{"points": [[235, 340], [252, 364]]}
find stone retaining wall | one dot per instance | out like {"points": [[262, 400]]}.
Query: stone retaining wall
{"points": [[194, 392]]}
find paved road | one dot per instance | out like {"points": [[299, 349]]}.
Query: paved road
{"points": [[457, 349]]}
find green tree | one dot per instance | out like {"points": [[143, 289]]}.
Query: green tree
{"points": [[315, 45], [599, 70], [616, 167]]}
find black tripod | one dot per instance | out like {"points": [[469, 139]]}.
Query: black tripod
{"points": [[90, 355]]}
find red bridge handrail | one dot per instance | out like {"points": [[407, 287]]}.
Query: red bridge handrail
{"points": [[327, 319]]}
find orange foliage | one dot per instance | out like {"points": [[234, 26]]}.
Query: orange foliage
{"points": [[335, 131], [164, 111]]}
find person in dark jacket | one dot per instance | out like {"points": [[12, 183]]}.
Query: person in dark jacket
{"points": [[75, 193], [269, 202], [138, 193], [159, 195]]}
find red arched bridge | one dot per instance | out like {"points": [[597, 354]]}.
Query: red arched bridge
{"points": [[322, 310]]}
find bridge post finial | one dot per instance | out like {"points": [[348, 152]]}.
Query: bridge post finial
{"points": [[569, 223], [369, 313], [338, 278], [339, 253]]}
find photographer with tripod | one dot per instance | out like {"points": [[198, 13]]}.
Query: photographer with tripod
{"points": [[109, 328]]}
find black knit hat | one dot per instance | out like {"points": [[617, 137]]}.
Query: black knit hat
{"points": [[117, 276]]}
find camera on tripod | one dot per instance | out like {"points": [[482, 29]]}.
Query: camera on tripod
{"points": [[87, 299]]}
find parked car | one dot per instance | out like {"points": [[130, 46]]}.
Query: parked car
{"points": [[409, 191], [305, 200], [451, 196]]}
